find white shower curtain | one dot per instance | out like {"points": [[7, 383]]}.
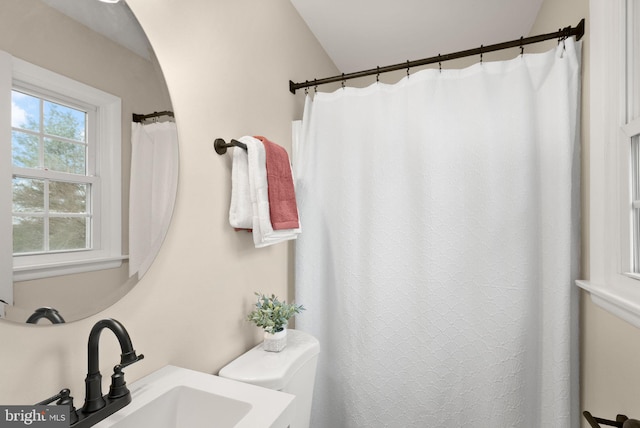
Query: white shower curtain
{"points": [[154, 180], [441, 245]]}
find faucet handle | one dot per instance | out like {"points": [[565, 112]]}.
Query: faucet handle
{"points": [[63, 393], [67, 400], [64, 399], [118, 386]]}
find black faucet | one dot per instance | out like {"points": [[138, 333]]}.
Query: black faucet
{"points": [[51, 314], [96, 406], [94, 400]]}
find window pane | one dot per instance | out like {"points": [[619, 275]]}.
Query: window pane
{"points": [[67, 233], [28, 234], [635, 196], [28, 195], [65, 156], [25, 111], [67, 197], [25, 151], [63, 121], [633, 68], [636, 239]]}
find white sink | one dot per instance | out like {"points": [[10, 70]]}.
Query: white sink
{"points": [[183, 406], [173, 397]]}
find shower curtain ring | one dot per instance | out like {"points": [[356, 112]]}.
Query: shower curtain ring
{"points": [[562, 39], [343, 80], [408, 67], [521, 46], [439, 63], [378, 75], [481, 47]]}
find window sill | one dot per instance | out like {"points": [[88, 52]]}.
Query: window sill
{"points": [[46, 270], [622, 300]]}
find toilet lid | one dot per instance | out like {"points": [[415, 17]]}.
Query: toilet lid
{"points": [[273, 369]]}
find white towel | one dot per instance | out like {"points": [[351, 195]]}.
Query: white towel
{"points": [[249, 207], [240, 210], [263, 233]]}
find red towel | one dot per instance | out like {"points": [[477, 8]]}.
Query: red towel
{"points": [[282, 197]]}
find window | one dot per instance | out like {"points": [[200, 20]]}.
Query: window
{"points": [[631, 129], [53, 178], [614, 211], [64, 189], [631, 135]]}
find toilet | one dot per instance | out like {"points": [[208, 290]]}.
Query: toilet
{"points": [[292, 370]]}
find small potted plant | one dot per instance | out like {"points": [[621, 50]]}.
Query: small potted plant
{"points": [[273, 315]]}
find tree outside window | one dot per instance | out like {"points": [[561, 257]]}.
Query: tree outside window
{"points": [[51, 195]]}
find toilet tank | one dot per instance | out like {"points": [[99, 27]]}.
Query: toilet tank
{"points": [[292, 370]]}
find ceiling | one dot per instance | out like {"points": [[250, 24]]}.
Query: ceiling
{"points": [[362, 34], [358, 34], [114, 21]]}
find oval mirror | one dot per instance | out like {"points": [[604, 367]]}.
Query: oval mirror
{"points": [[81, 70]]}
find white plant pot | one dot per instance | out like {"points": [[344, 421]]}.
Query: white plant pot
{"points": [[275, 342]]}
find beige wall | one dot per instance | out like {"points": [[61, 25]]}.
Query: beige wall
{"points": [[610, 368], [227, 64], [60, 44]]}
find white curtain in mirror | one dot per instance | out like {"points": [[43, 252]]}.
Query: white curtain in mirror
{"points": [[154, 181], [440, 246]]}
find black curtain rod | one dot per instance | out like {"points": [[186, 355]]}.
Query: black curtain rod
{"points": [[141, 117], [564, 33]]}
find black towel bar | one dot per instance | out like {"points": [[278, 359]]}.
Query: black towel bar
{"points": [[221, 146], [595, 421]]}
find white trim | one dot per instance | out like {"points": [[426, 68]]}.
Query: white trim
{"points": [[66, 268], [631, 129], [107, 201], [610, 286], [6, 228], [622, 301]]}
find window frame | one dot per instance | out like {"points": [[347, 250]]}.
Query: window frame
{"points": [[107, 253], [630, 252], [88, 178], [613, 56]]}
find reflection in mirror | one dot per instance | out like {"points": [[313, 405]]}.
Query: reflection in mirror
{"points": [[101, 48]]}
